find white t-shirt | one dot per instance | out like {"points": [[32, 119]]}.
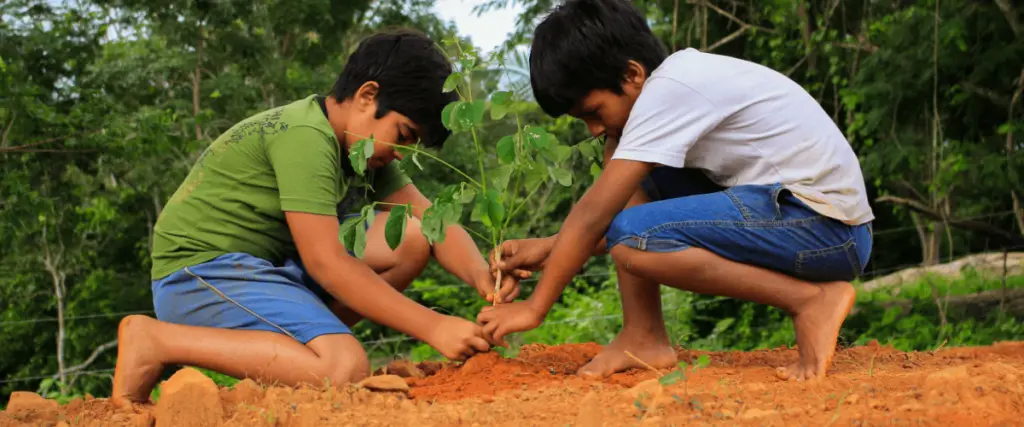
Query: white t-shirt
{"points": [[743, 123]]}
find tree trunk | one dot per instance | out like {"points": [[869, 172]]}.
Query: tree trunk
{"points": [[51, 262], [1018, 212]]}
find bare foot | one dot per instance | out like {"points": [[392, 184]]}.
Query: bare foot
{"points": [[817, 329], [138, 363], [654, 350]]}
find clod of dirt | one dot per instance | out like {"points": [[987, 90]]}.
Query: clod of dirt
{"points": [[31, 406], [480, 362], [385, 383], [188, 399], [245, 391], [402, 368], [647, 388]]}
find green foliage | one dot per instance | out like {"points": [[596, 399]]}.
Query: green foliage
{"points": [[526, 160]]}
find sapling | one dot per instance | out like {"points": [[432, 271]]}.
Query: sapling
{"points": [[526, 160]]}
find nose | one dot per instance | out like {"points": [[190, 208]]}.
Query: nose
{"points": [[595, 128]]}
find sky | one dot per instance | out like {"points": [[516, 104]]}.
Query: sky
{"points": [[487, 31]]}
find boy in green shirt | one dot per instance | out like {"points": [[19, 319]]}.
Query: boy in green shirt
{"points": [[249, 275]]}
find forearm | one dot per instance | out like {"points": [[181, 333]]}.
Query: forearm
{"points": [[639, 197], [568, 255], [459, 255], [354, 284]]}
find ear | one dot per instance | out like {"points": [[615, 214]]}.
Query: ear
{"points": [[635, 75], [366, 96]]}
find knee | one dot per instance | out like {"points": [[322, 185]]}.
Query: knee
{"points": [[627, 226], [351, 368], [414, 251], [411, 255]]}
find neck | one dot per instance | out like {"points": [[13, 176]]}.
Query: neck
{"points": [[337, 112]]}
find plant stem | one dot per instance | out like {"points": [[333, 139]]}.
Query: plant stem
{"points": [[416, 150], [397, 204], [474, 232], [527, 198]]}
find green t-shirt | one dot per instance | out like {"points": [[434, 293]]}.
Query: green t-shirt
{"points": [[234, 198]]}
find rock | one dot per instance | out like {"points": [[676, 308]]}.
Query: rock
{"points": [[385, 383], [188, 399]]}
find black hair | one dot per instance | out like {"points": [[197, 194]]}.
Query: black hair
{"points": [[583, 45], [410, 70]]}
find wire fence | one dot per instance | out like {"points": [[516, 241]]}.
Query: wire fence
{"points": [[373, 345]]}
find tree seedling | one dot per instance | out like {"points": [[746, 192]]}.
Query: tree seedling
{"points": [[680, 374], [526, 160]]}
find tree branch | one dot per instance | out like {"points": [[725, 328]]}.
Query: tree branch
{"points": [[1011, 15], [92, 357], [996, 233], [729, 15], [24, 147], [728, 38], [7, 131]]}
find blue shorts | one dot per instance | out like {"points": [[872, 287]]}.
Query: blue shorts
{"points": [[760, 225], [242, 291]]}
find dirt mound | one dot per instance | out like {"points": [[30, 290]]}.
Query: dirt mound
{"points": [[867, 385]]}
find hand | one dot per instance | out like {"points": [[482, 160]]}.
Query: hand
{"points": [[504, 319], [458, 339], [523, 254], [484, 285]]}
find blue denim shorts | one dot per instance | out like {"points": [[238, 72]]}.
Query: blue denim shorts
{"points": [[242, 291], [760, 225]]}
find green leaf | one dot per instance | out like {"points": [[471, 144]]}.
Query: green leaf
{"points": [[215, 94], [432, 225], [587, 150], [560, 153], [501, 177], [466, 194], [476, 110], [495, 210], [562, 175], [368, 214], [535, 174], [703, 361], [394, 228], [535, 137], [416, 160], [479, 213], [1003, 129], [359, 247], [595, 170], [466, 114], [671, 378], [448, 115], [360, 152], [502, 97], [452, 82], [507, 149], [498, 111]]}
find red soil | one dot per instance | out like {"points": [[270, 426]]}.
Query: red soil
{"points": [[866, 385]]}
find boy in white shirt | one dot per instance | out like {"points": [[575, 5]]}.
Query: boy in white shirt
{"points": [[721, 177]]}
